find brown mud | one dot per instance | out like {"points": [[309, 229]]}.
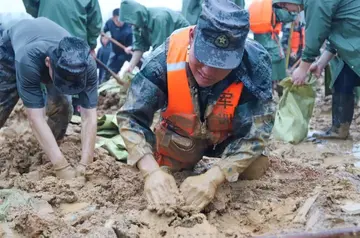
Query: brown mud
{"points": [[109, 102], [304, 189]]}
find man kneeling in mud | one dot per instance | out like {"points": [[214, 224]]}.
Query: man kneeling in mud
{"points": [[36, 54], [214, 88]]}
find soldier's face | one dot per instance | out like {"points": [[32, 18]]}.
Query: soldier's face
{"points": [[204, 75], [117, 22], [291, 7]]}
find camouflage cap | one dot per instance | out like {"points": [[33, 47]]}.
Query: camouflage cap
{"points": [[69, 62], [221, 34]]}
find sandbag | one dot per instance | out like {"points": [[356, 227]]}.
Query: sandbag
{"points": [[294, 111]]}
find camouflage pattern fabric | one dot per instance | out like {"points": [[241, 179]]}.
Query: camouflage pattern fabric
{"points": [[252, 123]]}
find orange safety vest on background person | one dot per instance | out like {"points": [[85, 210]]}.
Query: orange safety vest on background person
{"points": [[263, 18], [180, 120], [295, 42], [298, 40]]}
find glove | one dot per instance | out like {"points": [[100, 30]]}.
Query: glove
{"points": [[199, 191], [161, 192], [80, 170], [64, 170]]}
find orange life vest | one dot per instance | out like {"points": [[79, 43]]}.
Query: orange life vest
{"points": [[263, 18], [298, 40], [180, 116], [295, 41]]}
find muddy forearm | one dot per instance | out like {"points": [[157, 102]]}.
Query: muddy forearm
{"points": [[44, 134], [135, 142], [241, 152], [88, 134], [232, 166], [147, 164]]}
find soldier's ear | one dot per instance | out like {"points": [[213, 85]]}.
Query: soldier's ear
{"points": [[192, 34], [47, 61]]}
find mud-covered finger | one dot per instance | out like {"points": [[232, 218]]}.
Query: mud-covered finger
{"points": [[202, 205], [150, 198], [170, 211], [172, 194], [160, 210], [180, 200], [190, 198]]}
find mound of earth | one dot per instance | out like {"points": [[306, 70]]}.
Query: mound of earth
{"points": [[306, 188]]}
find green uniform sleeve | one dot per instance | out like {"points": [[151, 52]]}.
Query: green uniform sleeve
{"points": [[32, 7], [140, 40], [330, 48], [94, 23], [318, 17], [165, 29], [191, 10]]}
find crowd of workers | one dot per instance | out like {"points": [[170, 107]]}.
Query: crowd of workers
{"points": [[213, 84]]}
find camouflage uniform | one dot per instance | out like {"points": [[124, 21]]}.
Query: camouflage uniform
{"points": [[58, 106], [252, 123]]}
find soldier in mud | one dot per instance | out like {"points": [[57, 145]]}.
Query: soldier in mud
{"points": [[335, 22], [151, 27], [81, 18], [213, 86], [42, 64]]}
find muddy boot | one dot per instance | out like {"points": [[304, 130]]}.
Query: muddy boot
{"points": [[64, 170], [342, 115]]}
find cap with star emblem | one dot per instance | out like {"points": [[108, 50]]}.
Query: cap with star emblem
{"points": [[221, 34]]}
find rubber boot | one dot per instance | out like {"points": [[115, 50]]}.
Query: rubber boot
{"points": [[342, 115]]}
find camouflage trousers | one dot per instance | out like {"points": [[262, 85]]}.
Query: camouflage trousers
{"points": [[58, 106]]}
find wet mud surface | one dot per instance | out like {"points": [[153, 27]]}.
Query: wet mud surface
{"points": [[305, 189]]}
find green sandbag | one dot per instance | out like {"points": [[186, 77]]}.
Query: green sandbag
{"points": [[108, 133], [107, 122], [115, 146], [294, 111]]}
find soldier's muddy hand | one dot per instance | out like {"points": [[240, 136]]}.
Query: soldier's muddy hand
{"points": [[160, 187], [161, 191], [64, 170], [199, 191], [80, 170]]}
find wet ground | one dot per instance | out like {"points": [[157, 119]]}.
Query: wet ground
{"points": [[308, 187]]}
